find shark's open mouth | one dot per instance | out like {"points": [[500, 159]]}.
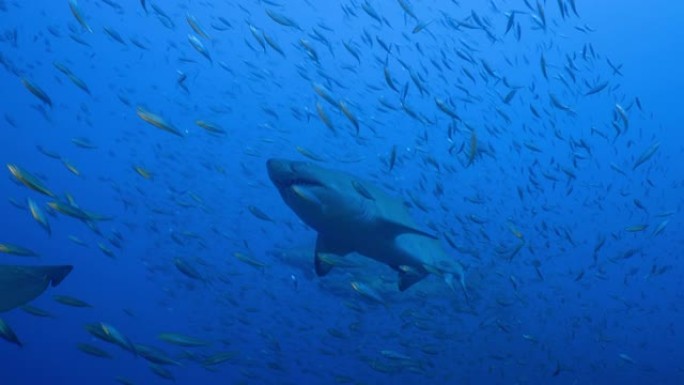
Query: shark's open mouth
{"points": [[287, 183]]}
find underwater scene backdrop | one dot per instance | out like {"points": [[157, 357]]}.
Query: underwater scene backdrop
{"points": [[352, 192]]}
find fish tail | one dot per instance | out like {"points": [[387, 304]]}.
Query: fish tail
{"points": [[449, 280], [464, 288]]}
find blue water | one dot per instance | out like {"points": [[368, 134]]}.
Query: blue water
{"points": [[525, 199]]}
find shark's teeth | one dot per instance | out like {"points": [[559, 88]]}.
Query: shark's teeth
{"points": [[305, 194], [299, 182]]}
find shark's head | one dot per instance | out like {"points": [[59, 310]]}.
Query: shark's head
{"points": [[318, 196]]}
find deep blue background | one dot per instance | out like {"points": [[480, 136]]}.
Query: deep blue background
{"points": [[203, 185]]}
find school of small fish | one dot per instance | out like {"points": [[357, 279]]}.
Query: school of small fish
{"points": [[502, 125]]}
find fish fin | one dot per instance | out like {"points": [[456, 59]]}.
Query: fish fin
{"points": [[393, 229], [407, 280], [58, 273], [324, 246], [449, 280]]}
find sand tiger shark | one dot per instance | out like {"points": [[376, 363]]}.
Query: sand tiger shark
{"points": [[353, 215], [22, 284]]}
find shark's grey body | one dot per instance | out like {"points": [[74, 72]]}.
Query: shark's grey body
{"points": [[352, 215], [21, 284]]}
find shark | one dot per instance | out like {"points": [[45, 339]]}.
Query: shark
{"points": [[353, 215], [20, 285]]}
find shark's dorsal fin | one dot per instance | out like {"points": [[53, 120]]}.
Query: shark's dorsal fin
{"points": [[393, 229], [326, 247]]}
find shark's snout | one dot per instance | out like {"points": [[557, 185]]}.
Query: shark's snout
{"points": [[285, 173], [277, 168], [279, 171]]}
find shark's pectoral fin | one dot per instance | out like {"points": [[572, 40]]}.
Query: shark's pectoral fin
{"points": [[393, 229], [325, 254], [322, 267], [408, 279]]}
